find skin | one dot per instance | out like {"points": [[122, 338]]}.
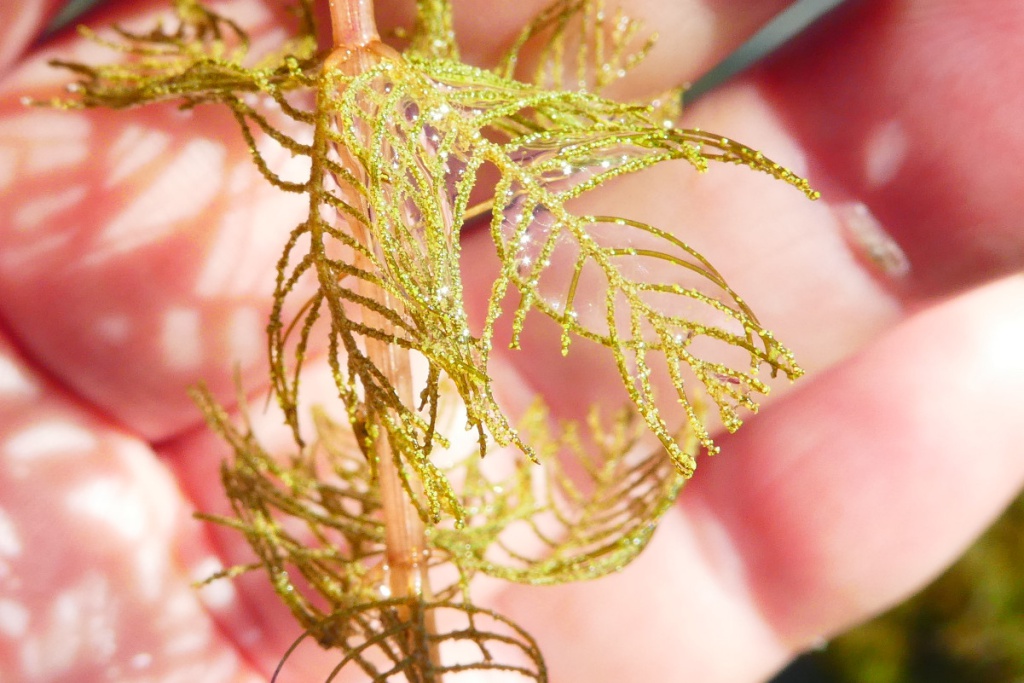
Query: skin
{"points": [[846, 493]]}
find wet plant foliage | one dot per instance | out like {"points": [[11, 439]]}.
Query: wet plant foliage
{"points": [[405, 149]]}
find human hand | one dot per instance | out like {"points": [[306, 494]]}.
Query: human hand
{"points": [[136, 256]]}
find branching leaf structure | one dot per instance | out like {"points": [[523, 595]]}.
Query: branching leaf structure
{"points": [[584, 47], [404, 150]]}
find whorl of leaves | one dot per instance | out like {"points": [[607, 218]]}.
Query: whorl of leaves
{"points": [[419, 130], [312, 519], [403, 153]]}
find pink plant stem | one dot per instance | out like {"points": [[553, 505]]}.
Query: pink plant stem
{"points": [[352, 23], [357, 47]]}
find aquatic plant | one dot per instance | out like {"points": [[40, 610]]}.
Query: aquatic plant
{"points": [[373, 527]]}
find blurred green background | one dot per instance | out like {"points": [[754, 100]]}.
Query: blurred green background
{"points": [[966, 627]]}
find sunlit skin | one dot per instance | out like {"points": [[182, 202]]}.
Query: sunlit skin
{"points": [[849, 489]]}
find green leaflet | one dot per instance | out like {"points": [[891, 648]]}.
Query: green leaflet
{"points": [[587, 509], [400, 151], [583, 47], [377, 642], [421, 131]]}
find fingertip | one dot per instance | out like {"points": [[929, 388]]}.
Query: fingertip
{"points": [[912, 109], [857, 489], [138, 247]]}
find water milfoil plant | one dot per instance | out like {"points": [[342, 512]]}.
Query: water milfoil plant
{"points": [[373, 526]]}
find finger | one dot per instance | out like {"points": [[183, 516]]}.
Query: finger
{"points": [[91, 531], [671, 615], [833, 504], [20, 24], [137, 248], [856, 490], [912, 109], [827, 277]]}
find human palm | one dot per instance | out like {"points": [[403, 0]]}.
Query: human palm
{"points": [[136, 258]]}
